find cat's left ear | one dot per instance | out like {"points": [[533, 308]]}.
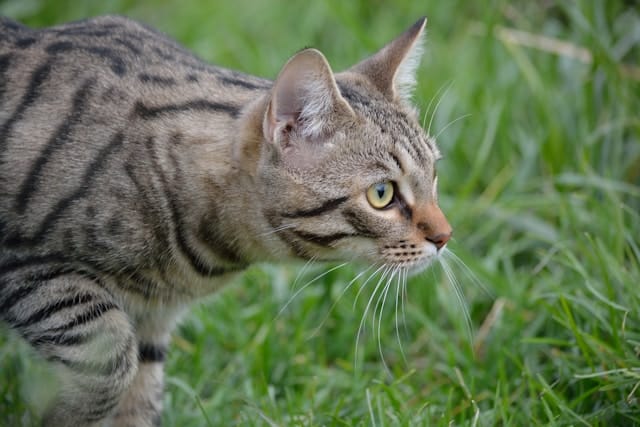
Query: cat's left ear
{"points": [[305, 100], [393, 69]]}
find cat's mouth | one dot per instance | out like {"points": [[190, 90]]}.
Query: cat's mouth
{"points": [[408, 255], [412, 257]]}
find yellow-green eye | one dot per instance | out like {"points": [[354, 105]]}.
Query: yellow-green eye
{"points": [[380, 195]]}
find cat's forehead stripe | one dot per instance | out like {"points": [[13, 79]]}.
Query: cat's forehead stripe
{"points": [[422, 147]]}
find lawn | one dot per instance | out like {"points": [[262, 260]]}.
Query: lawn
{"points": [[536, 108]]}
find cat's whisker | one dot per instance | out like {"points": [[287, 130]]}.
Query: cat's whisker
{"points": [[459, 296], [303, 270], [366, 310], [433, 98], [405, 301], [355, 300], [278, 229], [380, 305], [435, 109], [333, 306], [474, 278], [464, 116], [306, 285], [399, 290]]}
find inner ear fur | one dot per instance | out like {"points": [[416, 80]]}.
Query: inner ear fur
{"points": [[305, 99]]}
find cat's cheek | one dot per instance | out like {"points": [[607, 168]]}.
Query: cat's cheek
{"points": [[358, 249]]}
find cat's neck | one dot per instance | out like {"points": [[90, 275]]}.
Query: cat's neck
{"points": [[245, 211], [223, 162]]}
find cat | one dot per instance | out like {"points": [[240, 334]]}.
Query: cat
{"points": [[135, 178]]}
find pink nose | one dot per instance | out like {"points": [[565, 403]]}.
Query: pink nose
{"points": [[439, 239]]}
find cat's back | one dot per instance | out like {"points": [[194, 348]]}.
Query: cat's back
{"points": [[111, 48], [124, 58], [80, 82]]}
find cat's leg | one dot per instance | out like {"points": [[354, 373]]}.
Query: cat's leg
{"points": [[141, 406], [76, 324]]}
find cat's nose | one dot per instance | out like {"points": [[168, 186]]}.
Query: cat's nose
{"points": [[440, 239], [434, 225]]}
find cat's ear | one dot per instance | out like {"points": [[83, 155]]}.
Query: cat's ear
{"points": [[305, 100], [393, 69]]}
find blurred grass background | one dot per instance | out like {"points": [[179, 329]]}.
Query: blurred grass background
{"points": [[540, 180]]}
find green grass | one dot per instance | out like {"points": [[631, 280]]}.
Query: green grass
{"points": [[541, 183]]}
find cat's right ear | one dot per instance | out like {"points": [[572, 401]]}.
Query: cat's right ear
{"points": [[305, 101]]}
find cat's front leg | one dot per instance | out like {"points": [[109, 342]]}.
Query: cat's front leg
{"points": [[141, 404]]}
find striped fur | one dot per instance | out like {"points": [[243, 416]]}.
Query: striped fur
{"points": [[135, 178]]}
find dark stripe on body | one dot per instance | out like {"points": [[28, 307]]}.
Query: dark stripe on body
{"points": [[5, 62], [59, 339], [130, 280], [326, 207], [92, 170], [117, 64], [25, 42], [242, 83], [156, 80], [15, 297], [99, 410], [194, 259], [116, 367], [61, 137], [209, 234], [126, 43], [85, 28], [94, 312], [84, 32], [38, 77], [49, 310], [36, 261], [150, 353], [149, 212], [150, 113]]}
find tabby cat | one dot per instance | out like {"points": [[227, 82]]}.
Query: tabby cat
{"points": [[135, 178]]}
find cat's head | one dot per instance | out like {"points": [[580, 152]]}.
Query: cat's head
{"points": [[347, 171]]}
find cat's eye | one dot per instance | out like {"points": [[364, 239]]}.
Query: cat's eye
{"points": [[380, 195]]}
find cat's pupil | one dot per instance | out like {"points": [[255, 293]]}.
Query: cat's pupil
{"points": [[381, 189]]}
